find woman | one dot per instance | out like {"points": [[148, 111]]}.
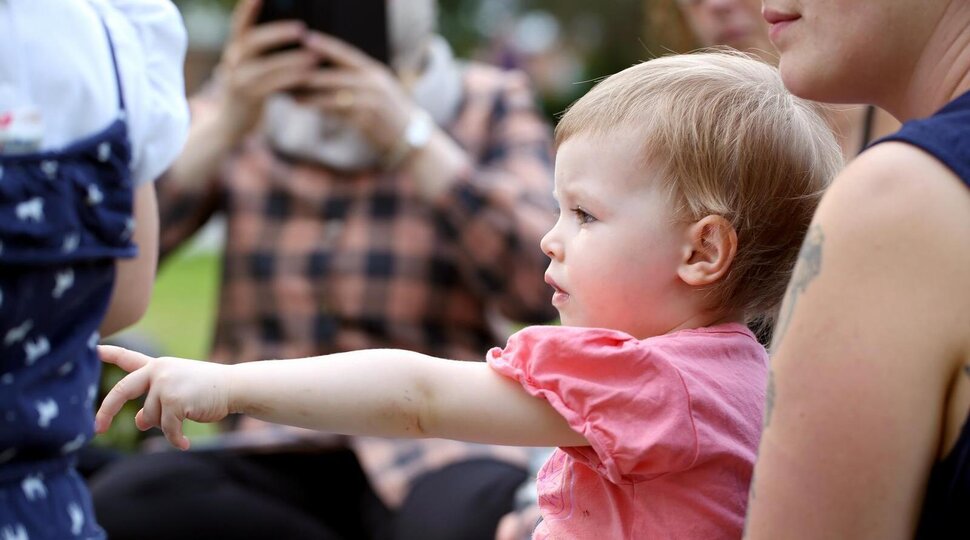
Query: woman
{"points": [[738, 24], [865, 429]]}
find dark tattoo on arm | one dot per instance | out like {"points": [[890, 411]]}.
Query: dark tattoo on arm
{"points": [[769, 398], [809, 266], [966, 370]]}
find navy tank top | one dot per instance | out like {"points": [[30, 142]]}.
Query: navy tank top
{"points": [[946, 136]]}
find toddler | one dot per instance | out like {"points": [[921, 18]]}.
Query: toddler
{"points": [[685, 186]]}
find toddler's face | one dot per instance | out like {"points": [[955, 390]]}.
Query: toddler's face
{"points": [[616, 246]]}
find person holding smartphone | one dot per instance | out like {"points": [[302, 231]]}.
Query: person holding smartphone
{"points": [[368, 205]]}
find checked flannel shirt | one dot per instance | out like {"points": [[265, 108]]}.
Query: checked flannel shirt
{"points": [[317, 261]]}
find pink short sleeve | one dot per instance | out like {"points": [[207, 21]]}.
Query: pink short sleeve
{"points": [[624, 396]]}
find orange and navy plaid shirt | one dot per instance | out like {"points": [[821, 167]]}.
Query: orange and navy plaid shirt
{"points": [[318, 261]]}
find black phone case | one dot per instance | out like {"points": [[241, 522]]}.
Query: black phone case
{"points": [[362, 23]]}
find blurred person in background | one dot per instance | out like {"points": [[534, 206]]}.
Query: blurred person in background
{"points": [[682, 25], [367, 206]]}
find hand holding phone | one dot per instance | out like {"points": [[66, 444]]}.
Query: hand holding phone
{"points": [[359, 89], [248, 75]]}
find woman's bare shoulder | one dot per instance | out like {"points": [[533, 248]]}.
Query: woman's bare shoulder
{"points": [[896, 222], [895, 185]]}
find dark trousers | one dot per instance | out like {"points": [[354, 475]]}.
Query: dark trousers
{"points": [[296, 495]]}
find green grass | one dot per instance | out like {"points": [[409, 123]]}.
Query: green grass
{"points": [[181, 317]]}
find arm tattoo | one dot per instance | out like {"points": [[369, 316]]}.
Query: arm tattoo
{"points": [[808, 267], [769, 398]]}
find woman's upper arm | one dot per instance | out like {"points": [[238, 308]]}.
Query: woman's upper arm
{"points": [[872, 331]]}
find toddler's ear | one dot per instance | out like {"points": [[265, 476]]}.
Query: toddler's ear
{"points": [[709, 250]]}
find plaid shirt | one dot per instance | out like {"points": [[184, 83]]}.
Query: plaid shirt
{"points": [[318, 261]]}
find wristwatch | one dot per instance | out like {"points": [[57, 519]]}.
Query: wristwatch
{"points": [[416, 136]]}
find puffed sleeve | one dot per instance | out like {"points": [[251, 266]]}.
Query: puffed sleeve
{"points": [[624, 396], [150, 43]]}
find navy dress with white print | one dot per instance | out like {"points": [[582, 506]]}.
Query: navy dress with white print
{"points": [[65, 216]]}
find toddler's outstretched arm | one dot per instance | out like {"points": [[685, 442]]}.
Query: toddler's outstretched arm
{"points": [[380, 392]]}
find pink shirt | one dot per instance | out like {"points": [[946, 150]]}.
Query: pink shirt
{"points": [[673, 424]]}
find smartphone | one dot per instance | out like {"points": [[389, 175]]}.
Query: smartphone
{"points": [[362, 23]]}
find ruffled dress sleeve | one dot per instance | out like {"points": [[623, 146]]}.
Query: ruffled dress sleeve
{"points": [[625, 396]]}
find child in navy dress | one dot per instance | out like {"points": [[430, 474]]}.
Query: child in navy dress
{"points": [[91, 110]]}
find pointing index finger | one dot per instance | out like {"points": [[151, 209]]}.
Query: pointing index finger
{"points": [[125, 359]]}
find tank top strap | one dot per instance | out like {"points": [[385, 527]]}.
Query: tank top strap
{"points": [[945, 135], [114, 64]]}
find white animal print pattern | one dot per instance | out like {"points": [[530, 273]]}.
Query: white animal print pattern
{"points": [[36, 349], [32, 210], [47, 410], [15, 335], [64, 281], [14, 532], [33, 487]]}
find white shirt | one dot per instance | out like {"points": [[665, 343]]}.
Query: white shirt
{"points": [[55, 61]]}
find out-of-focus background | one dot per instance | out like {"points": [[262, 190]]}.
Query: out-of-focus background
{"points": [[563, 45]]}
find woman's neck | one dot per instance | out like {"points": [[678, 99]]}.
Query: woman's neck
{"points": [[848, 124], [943, 72]]}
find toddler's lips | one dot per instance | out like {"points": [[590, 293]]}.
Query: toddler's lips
{"points": [[558, 296], [552, 283]]}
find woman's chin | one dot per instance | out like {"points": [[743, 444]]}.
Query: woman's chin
{"points": [[805, 81]]}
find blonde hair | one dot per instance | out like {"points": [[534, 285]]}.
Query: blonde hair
{"points": [[733, 142]]}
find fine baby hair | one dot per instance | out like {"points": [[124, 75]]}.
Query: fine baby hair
{"points": [[732, 141]]}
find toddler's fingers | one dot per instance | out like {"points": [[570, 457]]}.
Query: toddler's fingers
{"points": [[125, 359], [172, 428], [150, 414], [130, 387], [140, 421]]}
